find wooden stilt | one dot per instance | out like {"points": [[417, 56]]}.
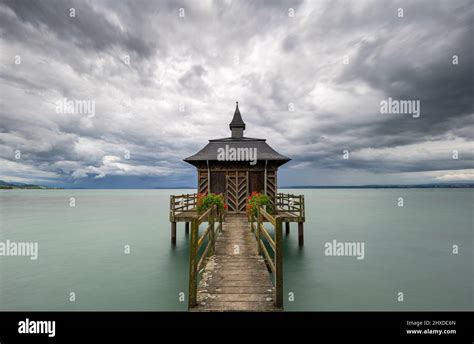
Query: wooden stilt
{"points": [[287, 228], [173, 233], [300, 234], [186, 228]]}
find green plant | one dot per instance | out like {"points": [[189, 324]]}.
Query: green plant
{"points": [[257, 199], [204, 202]]}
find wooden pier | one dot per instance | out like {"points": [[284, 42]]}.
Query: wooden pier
{"points": [[236, 262], [182, 209], [291, 209], [236, 277]]}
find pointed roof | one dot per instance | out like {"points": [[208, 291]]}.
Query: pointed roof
{"points": [[264, 151], [237, 121]]}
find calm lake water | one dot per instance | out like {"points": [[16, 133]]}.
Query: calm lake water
{"points": [[81, 249]]}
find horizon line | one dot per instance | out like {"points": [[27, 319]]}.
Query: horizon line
{"points": [[360, 186]]}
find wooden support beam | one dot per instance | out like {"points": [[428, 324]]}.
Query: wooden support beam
{"points": [[186, 228], [173, 233], [300, 234], [287, 228]]}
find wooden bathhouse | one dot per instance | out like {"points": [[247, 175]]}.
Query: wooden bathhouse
{"points": [[236, 166], [235, 261]]}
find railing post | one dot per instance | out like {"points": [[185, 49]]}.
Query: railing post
{"points": [[221, 220], [252, 220], [171, 208], [212, 238], [257, 232], [193, 263], [302, 214], [278, 262]]}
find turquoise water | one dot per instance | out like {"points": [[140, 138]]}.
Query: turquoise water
{"points": [[81, 249]]}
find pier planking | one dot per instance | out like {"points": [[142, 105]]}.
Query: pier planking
{"points": [[236, 277]]}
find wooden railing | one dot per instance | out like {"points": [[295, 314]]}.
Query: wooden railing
{"points": [[180, 203], [293, 204], [197, 255], [264, 239]]}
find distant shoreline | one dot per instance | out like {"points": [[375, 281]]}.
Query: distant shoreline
{"points": [[464, 186], [30, 187], [421, 186], [13, 186]]}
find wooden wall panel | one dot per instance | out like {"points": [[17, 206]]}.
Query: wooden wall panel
{"points": [[237, 185], [271, 185], [202, 182]]}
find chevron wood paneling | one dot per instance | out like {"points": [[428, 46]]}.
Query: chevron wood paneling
{"points": [[242, 180], [271, 185], [203, 182], [232, 191], [237, 187]]}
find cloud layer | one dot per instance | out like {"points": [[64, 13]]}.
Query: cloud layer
{"points": [[164, 77]]}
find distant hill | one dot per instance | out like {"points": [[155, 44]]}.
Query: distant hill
{"points": [[5, 185]]}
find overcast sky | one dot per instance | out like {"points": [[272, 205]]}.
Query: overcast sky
{"points": [[164, 77]]}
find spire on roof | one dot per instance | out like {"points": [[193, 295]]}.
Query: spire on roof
{"points": [[237, 126]]}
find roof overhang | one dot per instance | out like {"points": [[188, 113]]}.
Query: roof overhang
{"points": [[230, 149]]}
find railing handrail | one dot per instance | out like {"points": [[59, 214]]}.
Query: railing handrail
{"points": [[275, 243], [179, 203], [212, 215], [204, 215], [291, 203], [185, 195], [267, 216]]}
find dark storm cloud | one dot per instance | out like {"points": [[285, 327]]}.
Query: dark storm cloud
{"points": [[186, 72], [418, 67], [88, 29], [445, 90]]}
